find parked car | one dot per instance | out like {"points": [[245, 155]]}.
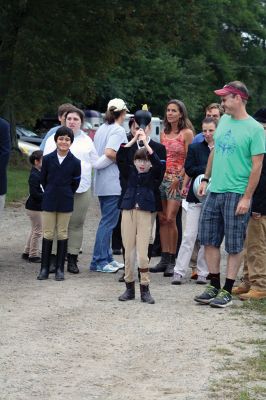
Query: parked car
{"points": [[93, 119], [28, 136], [27, 148]]}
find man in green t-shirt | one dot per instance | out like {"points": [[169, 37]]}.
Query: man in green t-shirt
{"points": [[234, 167]]}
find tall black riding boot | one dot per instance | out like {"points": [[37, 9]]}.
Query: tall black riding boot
{"points": [[46, 252], [150, 248], [60, 259], [129, 294], [72, 263], [169, 271], [161, 266], [145, 295], [52, 265]]}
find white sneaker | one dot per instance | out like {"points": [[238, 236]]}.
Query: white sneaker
{"points": [[201, 280], [116, 264], [177, 279]]}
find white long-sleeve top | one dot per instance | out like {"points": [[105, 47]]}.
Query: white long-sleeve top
{"points": [[82, 148]]}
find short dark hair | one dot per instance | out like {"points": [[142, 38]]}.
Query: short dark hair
{"points": [[209, 120], [141, 154], [64, 131], [35, 155], [77, 111]]}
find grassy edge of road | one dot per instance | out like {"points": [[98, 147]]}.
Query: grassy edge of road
{"points": [[17, 178], [244, 379]]}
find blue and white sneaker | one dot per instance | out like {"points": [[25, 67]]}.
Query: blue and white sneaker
{"points": [[209, 294], [117, 264], [108, 268], [222, 300]]}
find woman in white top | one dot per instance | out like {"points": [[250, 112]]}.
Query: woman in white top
{"points": [[82, 148]]}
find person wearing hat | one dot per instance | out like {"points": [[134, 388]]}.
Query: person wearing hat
{"points": [[253, 285], [138, 205], [107, 140], [234, 167], [159, 149]]}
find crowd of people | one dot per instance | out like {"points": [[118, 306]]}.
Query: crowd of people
{"points": [[217, 178]]}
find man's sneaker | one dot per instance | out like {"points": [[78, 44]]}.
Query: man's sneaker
{"points": [[109, 268], [176, 280], [222, 300], [201, 280], [117, 264], [209, 293]]}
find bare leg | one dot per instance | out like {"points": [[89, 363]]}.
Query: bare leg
{"points": [[172, 210], [233, 265], [164, 228], [213, 258]]}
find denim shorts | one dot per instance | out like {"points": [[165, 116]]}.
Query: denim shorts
{"points": [[218, 221], [164, 191]]}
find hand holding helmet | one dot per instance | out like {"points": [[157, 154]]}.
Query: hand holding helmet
{"points": [[201, 188]]}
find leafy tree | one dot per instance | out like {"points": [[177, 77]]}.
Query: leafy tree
{"points": [[87, 52]]}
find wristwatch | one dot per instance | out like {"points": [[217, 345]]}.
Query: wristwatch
{"points": [[205, 180]]}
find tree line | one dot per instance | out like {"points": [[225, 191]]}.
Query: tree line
{"points": [[86, 52]]}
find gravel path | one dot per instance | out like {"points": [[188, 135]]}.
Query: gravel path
{"points": [[74, 340]]}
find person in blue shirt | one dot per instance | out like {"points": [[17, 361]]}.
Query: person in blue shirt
{"points": [[62, 110], [213, 110]]}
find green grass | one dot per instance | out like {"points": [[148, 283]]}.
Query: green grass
{"points": [[223, 351], [17, 187], [244, 379], [256, 305]]}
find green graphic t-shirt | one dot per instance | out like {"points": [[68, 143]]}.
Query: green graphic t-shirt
{"points": [[235, 142]]}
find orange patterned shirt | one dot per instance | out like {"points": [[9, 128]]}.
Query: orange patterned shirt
{"points": [[175, 154]]}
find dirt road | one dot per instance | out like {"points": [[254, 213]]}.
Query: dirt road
{"points": [[74, 340]]}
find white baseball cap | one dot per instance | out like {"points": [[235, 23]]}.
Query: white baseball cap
{"points": [[118, 104]]}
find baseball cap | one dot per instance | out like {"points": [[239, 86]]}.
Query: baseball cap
{"points": [[118, 104], [230, 89]]}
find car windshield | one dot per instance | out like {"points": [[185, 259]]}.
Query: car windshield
{"points": [[26, 132]]}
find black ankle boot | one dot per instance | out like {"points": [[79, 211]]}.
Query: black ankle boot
{"points": [[60, 259], [145, 294], [161, 266], [129, 294], [169, 271], [46, 252], [52, 264], [72, 263]]}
